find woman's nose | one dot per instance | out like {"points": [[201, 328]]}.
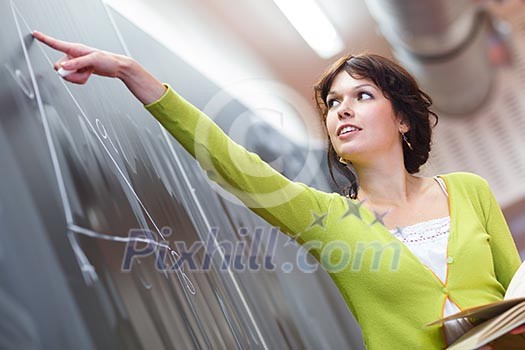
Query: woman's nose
{"points": [[345, 111]]}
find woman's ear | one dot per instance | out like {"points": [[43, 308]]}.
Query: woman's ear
{"points": [[404, 126]]}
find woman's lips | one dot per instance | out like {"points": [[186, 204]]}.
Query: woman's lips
{"points": [[348, 134]]}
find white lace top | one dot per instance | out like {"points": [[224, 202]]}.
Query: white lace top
{"points": [[428, 241]]}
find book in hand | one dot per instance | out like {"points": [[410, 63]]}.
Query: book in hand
{"points": [[494, 321]]}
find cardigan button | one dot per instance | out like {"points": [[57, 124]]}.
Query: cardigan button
{"points": [[444, 290], [450, 260]]}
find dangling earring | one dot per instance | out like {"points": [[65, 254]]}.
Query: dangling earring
{"points": [[341, 160], [406, 140]]}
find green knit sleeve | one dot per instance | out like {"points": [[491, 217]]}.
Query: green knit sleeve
{"points": [[294, 207], [504, 252]]}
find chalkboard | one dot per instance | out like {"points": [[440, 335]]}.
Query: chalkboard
{"points": [[81, 166]]}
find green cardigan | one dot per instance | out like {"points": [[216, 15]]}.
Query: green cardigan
{"points": [[389, 291]]}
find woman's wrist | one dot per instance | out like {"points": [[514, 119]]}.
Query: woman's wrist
{"points": [[144, 86], [126, 68]]}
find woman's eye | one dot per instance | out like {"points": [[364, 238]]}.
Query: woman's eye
{"points": [[364, 93], [330, 103]]}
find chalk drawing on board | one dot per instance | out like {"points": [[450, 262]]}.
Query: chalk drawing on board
{"points": [[21, 81], [203, 215], [87, 269]]}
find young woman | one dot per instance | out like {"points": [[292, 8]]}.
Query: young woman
{"points": [[444, 244]]}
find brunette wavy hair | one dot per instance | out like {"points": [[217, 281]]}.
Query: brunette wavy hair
{"points": [[408, 101]]}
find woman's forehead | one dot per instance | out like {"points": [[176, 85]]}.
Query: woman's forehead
{"points": [[346, 81]]}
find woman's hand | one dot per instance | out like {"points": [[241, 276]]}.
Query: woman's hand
{"points": [[515, 331], [519, 330], [85, 60]]}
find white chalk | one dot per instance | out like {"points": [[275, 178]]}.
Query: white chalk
{"points": [[64, 72]]}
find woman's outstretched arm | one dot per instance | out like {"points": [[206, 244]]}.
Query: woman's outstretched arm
{"points": [[295, 208]]}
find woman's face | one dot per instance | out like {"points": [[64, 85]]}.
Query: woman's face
{"points": [[360, 103]]}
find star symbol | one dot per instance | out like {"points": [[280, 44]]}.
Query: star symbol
{"points": [[292, 238], [353, 209], [318, 220], [399, 231], [379, 218]]}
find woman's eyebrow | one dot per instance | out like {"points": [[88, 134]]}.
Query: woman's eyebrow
{"points": [[354, 88]]}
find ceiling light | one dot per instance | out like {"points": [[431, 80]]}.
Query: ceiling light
{"points": [[312, 24]]}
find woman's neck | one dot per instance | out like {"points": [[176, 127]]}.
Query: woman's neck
{"points": [[387, 186]]}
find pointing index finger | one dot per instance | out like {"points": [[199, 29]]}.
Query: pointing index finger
{"points": [[56, 44]]}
